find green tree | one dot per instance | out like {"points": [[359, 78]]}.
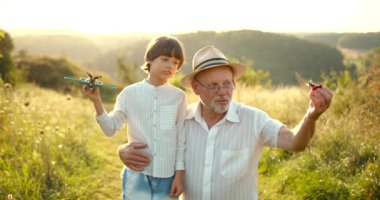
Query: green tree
{"points": [[253, 77], [128, 73], [7, 68], [48, 71]]}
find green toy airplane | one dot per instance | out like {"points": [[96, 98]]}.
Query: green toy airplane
{"points": [[91, 82]]}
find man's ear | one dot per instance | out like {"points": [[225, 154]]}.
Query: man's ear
{"points": [[195, 87]]}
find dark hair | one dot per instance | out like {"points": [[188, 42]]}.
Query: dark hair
{"points": [[163, 46]]}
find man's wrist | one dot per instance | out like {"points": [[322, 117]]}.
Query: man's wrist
{"points": [[313, 117]]}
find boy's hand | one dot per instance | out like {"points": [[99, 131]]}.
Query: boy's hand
{"points": [[177, 185], [92, 93]]}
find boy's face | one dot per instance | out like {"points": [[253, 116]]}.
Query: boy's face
{"points": [[163, 67]]}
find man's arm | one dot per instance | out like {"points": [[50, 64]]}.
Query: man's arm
{"points": [[298, 138], [133, 157]]}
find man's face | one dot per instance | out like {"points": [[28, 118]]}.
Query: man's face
{"points": [[215, 87]]}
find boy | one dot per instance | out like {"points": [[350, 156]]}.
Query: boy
{"points": [[155, 112]]}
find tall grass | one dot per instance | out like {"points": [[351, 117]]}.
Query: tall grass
{"points": [[47, 147], [342, 161], [52, 148]]}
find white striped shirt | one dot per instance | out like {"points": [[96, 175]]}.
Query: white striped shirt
{"points": [[222, 162], [154, 116]]}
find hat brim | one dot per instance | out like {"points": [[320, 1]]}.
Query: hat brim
{"points": [[238, 71]]}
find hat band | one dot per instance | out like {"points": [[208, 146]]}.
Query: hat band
{"points": [[212, 61]]}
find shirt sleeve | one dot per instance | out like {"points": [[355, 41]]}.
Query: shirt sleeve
{"points": [[180, 163], [110, 123], [114, 121], [269, 133]]}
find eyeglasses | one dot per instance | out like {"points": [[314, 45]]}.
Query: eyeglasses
{"points": [[229, 85]]}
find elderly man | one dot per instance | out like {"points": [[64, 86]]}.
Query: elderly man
{"points": [[224, 139]]}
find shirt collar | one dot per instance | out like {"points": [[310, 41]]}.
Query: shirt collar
{"points": [[195, 112], [147, 84]]}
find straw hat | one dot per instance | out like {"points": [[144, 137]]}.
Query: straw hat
{"points": [[209, 57]]}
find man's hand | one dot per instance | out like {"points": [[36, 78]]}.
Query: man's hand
{"points": [[177, 185], [131, 155], [320, 100], [298, 138]]}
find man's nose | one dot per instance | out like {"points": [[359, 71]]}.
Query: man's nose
{"points": [[222, 90]]}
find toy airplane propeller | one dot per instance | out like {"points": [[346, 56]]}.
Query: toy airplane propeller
{"points": [[313, 86], [91, 82]]}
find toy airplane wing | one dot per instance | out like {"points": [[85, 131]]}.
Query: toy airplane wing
{"points": [[101, 85], [87, 82]]}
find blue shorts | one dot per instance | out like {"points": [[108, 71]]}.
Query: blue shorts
{"points": [[138, 186]]}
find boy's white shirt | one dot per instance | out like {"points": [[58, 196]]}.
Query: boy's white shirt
{"points": [[155, 116]]}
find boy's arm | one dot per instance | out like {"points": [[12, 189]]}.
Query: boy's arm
{"points": [[94, 95], [108, 123], [99, 108], [180, 151], [178, 184]]}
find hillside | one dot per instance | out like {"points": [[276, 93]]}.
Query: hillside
{"points": [[355, 41], [281, 55], [76, 48]]}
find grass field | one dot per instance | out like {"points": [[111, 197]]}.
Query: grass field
{"points": [[52, 148]]}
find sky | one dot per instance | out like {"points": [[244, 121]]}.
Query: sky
{"points": [[179, 16]]}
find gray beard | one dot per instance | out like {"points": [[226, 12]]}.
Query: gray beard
{"points": [[219, 109]]}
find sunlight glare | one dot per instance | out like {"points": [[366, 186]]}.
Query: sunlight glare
{"points": [[171, 16]]}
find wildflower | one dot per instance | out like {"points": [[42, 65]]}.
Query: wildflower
{"points": [[7, 86], [10, 197]]}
